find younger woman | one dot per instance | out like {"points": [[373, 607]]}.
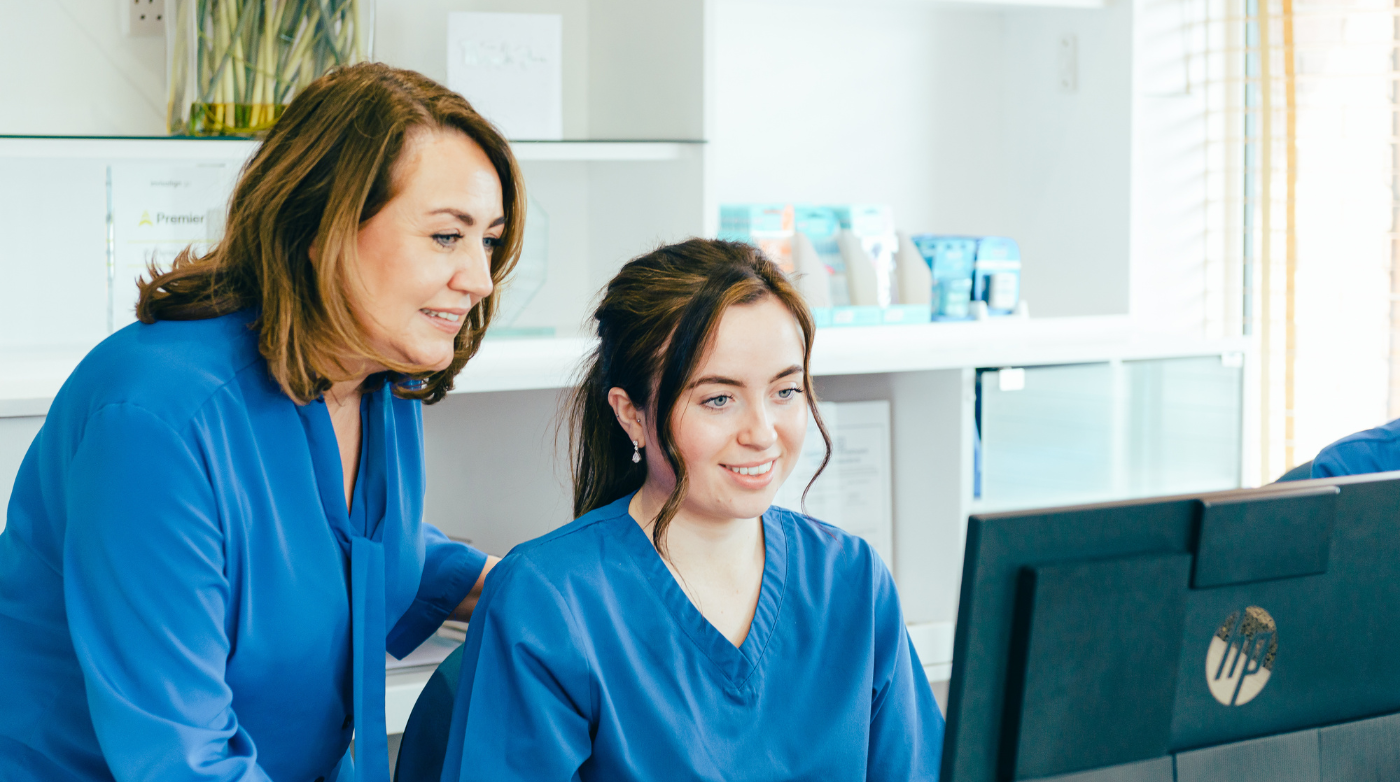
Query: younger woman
{"points": [[682, 628]]}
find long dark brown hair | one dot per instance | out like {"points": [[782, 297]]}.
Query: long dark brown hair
{"points": [[326, 167], [657, 318]]}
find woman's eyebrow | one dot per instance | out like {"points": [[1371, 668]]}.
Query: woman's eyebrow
{"points": [[721, 380], [792, 370], [466, 217], [718, 380]]}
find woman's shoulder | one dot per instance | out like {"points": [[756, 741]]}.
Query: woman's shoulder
{"points": [[575, 545], [826, 548], [168, 367]]}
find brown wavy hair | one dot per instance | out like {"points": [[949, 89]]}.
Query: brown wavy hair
{"points": [[657, 318], [326, 167]]}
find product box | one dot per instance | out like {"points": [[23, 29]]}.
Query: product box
{"points": [[868, 245], [841, 258], [821, 228], [951, 260], [996, 275], [766, 226]]}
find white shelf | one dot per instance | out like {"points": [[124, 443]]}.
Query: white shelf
{"points": [[523, 364], [32, 378], [1028, 3], [1001, 342], [401, 691], [1000, 3], [566, 151], [88, 148], [217, 149]]}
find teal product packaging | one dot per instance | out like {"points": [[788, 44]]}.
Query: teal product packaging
{"points": [[996, 274], [951, 260], [894, 315], [820, 225], [766, 226]]}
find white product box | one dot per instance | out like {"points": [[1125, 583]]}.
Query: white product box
{"points": [[511, 68]]}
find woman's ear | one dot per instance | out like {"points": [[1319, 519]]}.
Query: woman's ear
{"points": [[628, 416]]}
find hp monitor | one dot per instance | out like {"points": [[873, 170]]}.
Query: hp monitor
{"points": [[1243, 635]]}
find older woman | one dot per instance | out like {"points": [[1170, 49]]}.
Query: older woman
{"points": [[217, 533]]}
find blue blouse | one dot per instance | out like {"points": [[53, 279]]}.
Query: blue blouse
{"points": [[183, 595], [586, 661]]}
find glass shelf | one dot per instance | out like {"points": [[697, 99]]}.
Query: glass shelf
{"points": [[183, 147]]}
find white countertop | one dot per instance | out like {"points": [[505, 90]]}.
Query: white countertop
{"points": [[31, 377]]}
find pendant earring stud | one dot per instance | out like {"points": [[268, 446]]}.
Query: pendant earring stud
{"points": [[636, 452]]}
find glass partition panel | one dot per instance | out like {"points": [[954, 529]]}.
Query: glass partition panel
{"points": [[1097, 432]]}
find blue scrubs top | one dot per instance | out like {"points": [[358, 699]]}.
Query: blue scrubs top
{"points": [[183, 595], [1374, 450], [586, 661]]}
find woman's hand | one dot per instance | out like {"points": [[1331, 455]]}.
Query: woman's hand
{"points": [[464, 611]]}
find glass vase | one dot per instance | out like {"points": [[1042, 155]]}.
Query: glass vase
{"points": [[236, 64]]}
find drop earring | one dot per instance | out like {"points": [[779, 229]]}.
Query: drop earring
{"points": [[636, 452]]}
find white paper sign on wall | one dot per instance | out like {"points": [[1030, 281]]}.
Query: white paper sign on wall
{"points": [[854, 491], [155, 210], [510, 66]]}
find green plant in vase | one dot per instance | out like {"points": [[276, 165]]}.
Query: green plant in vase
{"points": [[235, 64]]}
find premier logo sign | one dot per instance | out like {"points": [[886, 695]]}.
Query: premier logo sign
{"points": [[1241, 656]]}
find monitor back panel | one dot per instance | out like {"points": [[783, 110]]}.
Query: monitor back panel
{"points": [[1127, 633]]}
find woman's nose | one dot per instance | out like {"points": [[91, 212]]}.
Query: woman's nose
{"points": [[473, 276], [758, 431]]}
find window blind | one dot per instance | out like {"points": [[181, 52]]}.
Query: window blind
{"points": [[1300, 182]]}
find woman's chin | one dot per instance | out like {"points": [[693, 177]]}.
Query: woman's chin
{"points": [[430, 358], [746, 507]]}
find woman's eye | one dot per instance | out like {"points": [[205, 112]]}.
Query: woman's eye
{"points": [[491, 243], [447, 240], [718, 401], [789, 393]]}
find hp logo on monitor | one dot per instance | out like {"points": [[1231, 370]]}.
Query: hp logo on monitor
{"points": [[1241, 656]]}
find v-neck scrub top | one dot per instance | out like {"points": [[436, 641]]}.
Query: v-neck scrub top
{"points": [[183, 593], [586, 661], [1373, 450]]}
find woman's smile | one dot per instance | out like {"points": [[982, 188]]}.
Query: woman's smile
{"points": [[753, 475], [449, 321]]}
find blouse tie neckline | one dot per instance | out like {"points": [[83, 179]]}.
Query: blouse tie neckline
{"points": [[360, 532]]}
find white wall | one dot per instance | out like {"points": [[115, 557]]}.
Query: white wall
{"points": [[973, 135], [15, 436], [83, 77], [1168, 187], [951, 114], [494, 474], [70, 71], [633, 68], [1068, 157]]}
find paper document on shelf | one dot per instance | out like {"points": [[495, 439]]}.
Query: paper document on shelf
{"points": [[154, 211], [854, 491], [511, 67]]}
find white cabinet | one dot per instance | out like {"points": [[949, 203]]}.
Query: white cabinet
{"points": [[950, 112]]}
